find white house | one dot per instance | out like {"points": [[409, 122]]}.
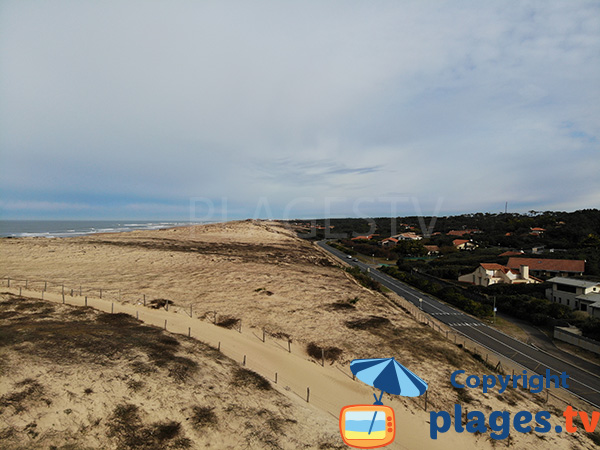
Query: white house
{"points": [[463, 244], [578, 295], [491, 273], [408, 236]]}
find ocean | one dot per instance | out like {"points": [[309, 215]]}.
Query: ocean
{"points": [[71, 228]]}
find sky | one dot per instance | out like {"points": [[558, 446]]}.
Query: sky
{"points": [[209, 110]]}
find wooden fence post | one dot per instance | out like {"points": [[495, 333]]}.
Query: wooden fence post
{"points": [[63, 296], [244, 363], [289, 345], [112, 307], [165, 324], [144, 299], [240, 325], [191, 312], [323, 357], [26, 283], [219, 347], [80, 290], [8, 279], [137, 315], [19, 291], [86, 300], [45, 285], [42, 295], [100, 293], [307, 394], [263, 335], [276, 382], [189, 331]]}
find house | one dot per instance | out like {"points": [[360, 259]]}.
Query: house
{"points": [[491, 273], [537, 231], [461, 232], [549, 267], [578, 295], [409, 236], [393, 240], [463, 244], [512, 253], [432, 249], [363, 238], [389, 242]]}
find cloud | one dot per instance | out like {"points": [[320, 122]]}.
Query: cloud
{"points": [[157, 103]]}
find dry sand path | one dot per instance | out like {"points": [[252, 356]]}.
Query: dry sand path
{"points": [[331, 387]]}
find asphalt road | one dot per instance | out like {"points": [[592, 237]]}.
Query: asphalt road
{"points": [[582, 383]]}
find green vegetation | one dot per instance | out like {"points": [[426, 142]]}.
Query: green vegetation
{"points": [[448, 294], [364, 279], [343, 248], [576, 234]]}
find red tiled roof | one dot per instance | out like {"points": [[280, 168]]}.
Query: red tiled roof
{"points": [[457, 242], [538, 229], [390, 239], [550, 265], [457, 233], [362, 237], [511, 253], [461, 232], [432, 248], [493, 266]]}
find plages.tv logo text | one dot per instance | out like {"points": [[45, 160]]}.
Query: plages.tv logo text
{"points": [[500, 421]]}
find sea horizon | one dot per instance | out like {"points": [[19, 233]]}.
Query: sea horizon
{"points": [[15, 228]]}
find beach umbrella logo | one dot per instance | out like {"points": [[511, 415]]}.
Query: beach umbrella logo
{"points": [[372, 426]]}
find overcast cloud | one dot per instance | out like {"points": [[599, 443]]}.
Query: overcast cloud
{"points": [[134, 109]]}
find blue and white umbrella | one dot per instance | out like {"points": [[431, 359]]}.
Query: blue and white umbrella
{"points": [[389, 376]]}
